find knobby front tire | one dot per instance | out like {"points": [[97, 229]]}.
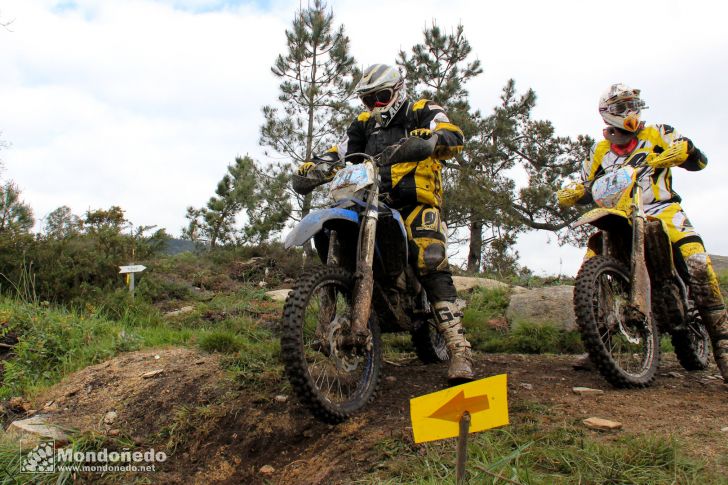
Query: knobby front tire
{"points": [[625, 353], [331, 381]]}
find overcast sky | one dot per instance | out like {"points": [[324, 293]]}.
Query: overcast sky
{"points": [[144, 103]]}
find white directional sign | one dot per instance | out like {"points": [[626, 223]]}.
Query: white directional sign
{"points": [[136, 268]]}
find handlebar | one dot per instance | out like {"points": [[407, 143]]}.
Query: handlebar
{"points": [[412, 149]]}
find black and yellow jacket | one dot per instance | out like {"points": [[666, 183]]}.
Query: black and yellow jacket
{"points": [[408, 183]]}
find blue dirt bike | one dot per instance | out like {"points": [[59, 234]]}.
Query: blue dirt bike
{"points": [[333, 318]]}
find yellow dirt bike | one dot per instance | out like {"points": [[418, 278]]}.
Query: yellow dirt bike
{"points": [[631, 290]]}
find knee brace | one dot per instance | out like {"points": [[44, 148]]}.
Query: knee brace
{"points": [[704, 283]]}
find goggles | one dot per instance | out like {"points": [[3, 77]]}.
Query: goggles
{"points": [[622, 107], [377, 98]]}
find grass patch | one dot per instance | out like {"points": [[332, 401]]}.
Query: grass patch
{"points": [[525, 454], [525, 338], [11, 460], [53, 341], [482, 316], [221, 341], [189, 422], [487, 303], [531, 338]]}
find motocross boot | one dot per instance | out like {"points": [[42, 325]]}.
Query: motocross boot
{"points": [[448, 316], [705, 291]]}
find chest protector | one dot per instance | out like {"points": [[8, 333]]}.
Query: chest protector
{"points": [[409, 183]]}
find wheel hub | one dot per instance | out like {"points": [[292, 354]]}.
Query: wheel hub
{"points": [[345, 360]]}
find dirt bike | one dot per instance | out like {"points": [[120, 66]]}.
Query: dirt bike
{"points": [[631, 290], [334, 316]]}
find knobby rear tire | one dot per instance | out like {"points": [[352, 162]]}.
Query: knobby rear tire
{"points": [[430, 344], [692, 350]]}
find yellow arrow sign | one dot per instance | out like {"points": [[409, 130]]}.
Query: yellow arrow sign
{"points": [[436, 416]]}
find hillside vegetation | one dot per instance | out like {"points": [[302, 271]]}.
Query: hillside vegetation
{"points": [[225, 405]]}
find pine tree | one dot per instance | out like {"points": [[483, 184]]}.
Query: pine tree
{"points": [[481, 195], [61, 223], [317, 76], [246, 190], [438, 69], [15, 215]]}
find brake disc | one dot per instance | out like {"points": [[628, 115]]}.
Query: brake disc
{"points": [[345, 361]]}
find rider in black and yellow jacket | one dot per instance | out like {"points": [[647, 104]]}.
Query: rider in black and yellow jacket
{"points": [[414, 188]]}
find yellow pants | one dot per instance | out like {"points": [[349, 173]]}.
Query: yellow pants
{"points": [[683, 237]]}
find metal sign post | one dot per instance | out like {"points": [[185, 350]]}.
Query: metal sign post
{"points": [[462, 448], [131, 270]]}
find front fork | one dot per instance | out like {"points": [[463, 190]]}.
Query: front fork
{"points": [[640, 291], [364, 276]]}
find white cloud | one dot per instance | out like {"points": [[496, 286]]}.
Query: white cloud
{"points": [[143, 103]]}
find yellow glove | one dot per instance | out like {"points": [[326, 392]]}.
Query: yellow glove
{"points": [[305, 168], [423, 133], [675, 154], [570, 194]]}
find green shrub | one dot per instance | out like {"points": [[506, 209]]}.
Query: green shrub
{"points": [[221, 341], [488, 303], [53, 342]]}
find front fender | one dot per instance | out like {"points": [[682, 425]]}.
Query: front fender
{"points": [[596, 214], [314, 222]]}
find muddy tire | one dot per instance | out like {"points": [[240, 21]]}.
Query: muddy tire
{"points": [[626, 354], [331, 381], [430, 345], [692, 344]]}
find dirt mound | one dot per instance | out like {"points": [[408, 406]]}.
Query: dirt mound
{"points": [[143, 389], [215, 432]]}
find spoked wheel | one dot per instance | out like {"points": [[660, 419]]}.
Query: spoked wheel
{"points": [[429, 344], [625, 351], [692, 343], [331, 379]]}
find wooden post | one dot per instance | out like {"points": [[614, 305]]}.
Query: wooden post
{"points": [[130, 271], [462, 448]]}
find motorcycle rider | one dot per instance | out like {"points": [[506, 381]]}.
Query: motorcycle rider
{"points": [[629, 140], [414, 188]]}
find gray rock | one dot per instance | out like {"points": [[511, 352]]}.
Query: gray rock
{"points": [[267, 470], [586, 391], [110, 417], [467, 283], [152, 373], [37, 426], [278, 295], [181, 311], [550, 305], [602, 424]]}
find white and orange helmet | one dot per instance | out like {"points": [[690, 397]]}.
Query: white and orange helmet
{"points": [[620, 106]]}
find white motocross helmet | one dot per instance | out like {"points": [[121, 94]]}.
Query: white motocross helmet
{"points": [[381, 89], [620, 106]]}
